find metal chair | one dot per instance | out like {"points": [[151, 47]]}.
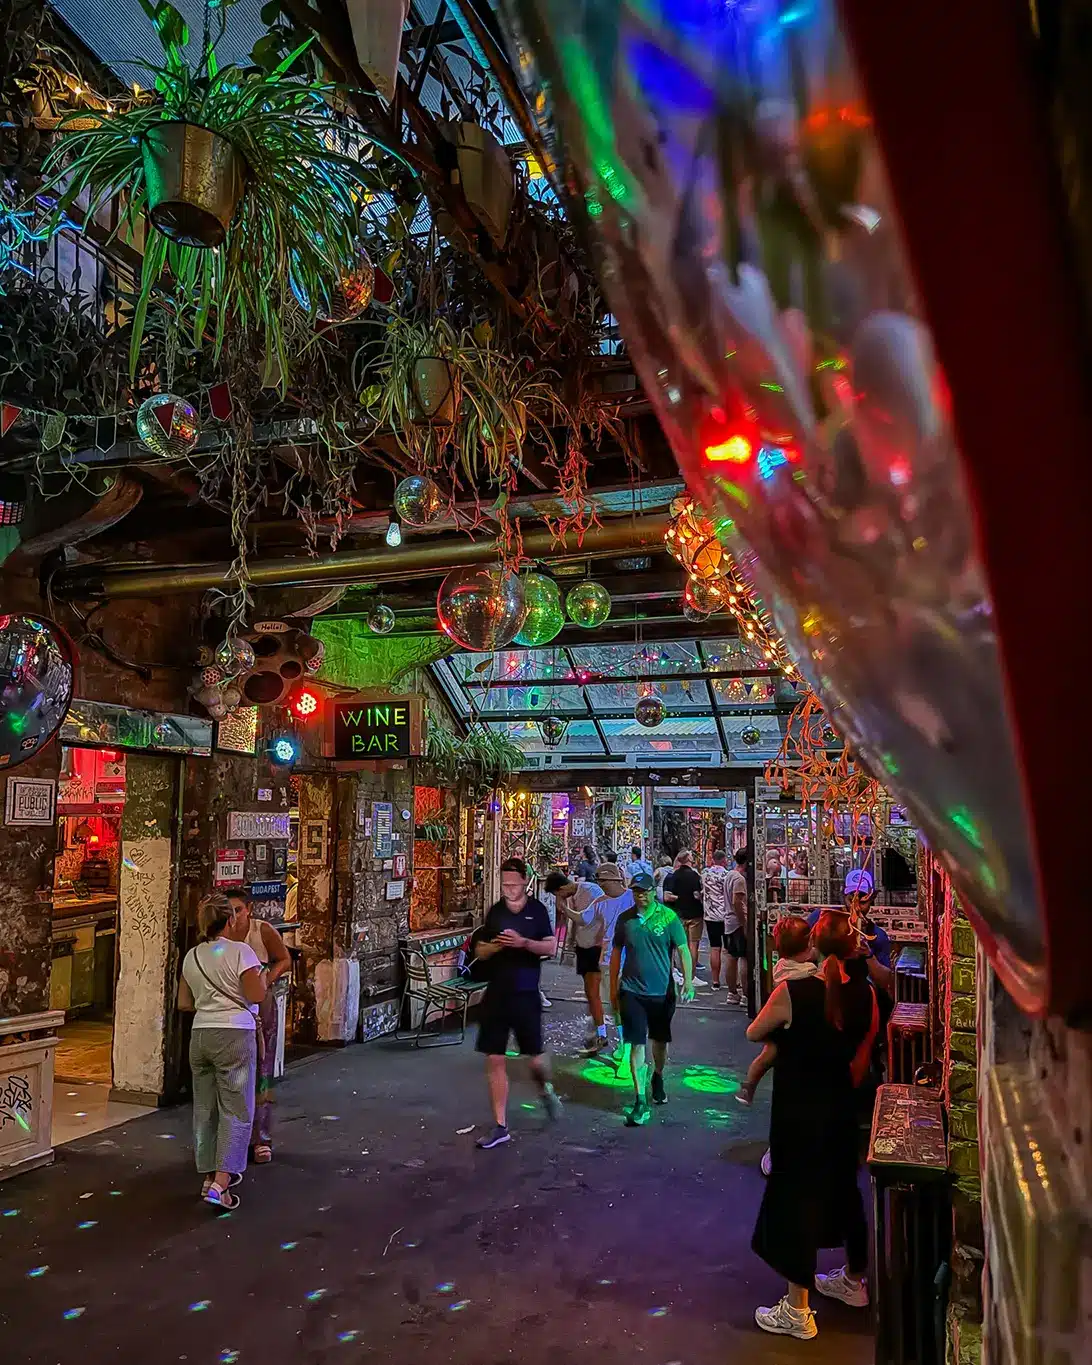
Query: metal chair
{"points": [[442, 995]]}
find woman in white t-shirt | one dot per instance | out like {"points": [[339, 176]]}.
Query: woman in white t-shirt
{"points": [[223, 981]]}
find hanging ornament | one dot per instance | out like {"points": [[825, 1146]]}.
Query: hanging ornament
{"points": [[704, 595], [418, 500], [692, 538], [692, 613], [346, 299], [750, 735], [167, 425], [209, 697], [544, 617], [736, 690], [380, 620], [211, 676], [830, 735], [588, 604], [235, 656], [649, 712], [231, 696], [552, 729], [481, 609], [314, 663]]}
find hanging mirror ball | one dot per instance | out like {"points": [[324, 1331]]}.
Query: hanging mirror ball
{"points": [[418, 500], [750, 735], [552, 729], [830, 735], [544, 617], [346, 299], [692, 613], [167, 425], [588, 604], [380, 619], [37, 672], [481, 609], [649, 712], [235, 656], [704, 595]]}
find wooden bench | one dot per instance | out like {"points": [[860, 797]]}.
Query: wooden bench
{"points": [[452, 997]]}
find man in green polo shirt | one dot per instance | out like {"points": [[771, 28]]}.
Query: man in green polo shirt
{"points": [[642, 990]]}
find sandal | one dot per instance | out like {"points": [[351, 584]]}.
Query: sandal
{"points": [[263, 1153], [233, 1179], [221, 1199]]}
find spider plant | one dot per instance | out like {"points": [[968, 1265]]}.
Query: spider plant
{"points": [[295, 231]]}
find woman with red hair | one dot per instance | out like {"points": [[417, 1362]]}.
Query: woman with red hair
{"points": [[824, 1027]]}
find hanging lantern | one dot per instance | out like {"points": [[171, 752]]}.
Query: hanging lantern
{"points": [[704, 595], [552, 730], [650, 712], [481, 609], [380, 620], [167, 426], [588, 604], [418, 500], [235, 656], [544, 617], [750, 735]]}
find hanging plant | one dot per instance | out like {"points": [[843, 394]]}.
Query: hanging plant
{"points": [[235, 169]]}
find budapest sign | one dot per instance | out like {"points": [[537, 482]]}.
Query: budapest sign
{"points": [[375, 726]]}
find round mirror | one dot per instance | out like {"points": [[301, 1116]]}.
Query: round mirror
{"points": [[37, 674]]}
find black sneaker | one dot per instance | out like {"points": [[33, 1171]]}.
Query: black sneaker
{"points": [[499, 1135], [659, 1094], [638, 1116]]}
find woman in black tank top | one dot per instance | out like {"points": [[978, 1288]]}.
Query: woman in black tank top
{"points": [[824, 1027]]}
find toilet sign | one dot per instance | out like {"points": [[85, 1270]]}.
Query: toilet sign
{"points": [[230, 864], [375, 727]]}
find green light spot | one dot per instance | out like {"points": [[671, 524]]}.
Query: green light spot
{"points": [[986, 877], [18, 722], [710, 1080], [889, 763], [527, 1105], [733, 491], [595, 1073], [773, 388], [961, 817], [512, 1052], [595, 110]]}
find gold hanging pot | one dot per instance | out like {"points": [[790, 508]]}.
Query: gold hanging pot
{"points": [[195, 179]]}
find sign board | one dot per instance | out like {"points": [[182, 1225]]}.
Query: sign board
{"points": [[396, 890], [375, 726], [30, 801], [230, 866], [314, 838], [382, 829], [399, 865], [279, 862], [267, 891], [257, 824]]}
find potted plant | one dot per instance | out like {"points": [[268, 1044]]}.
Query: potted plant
{"points": [[483, 170], [377, 36], [235, 169]]}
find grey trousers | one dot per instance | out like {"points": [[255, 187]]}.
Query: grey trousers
{"points": [[223, 1062]]}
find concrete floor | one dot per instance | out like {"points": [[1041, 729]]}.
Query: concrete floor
{"points": [[380, 1234]]}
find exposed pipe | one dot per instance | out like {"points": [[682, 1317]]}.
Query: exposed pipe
{"points": [[354, 566]]}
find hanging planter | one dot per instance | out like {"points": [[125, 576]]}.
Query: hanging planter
{"points": [[377, 35], [485, 173], [433, 388], [195, 179]]}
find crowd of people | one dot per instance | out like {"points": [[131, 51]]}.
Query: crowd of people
{"points": [[636, 935]]}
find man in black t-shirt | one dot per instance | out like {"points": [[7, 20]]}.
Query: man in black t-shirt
{"points": [[682, 891], [516, 936]]}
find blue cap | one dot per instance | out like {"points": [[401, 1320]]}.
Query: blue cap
{"points": [[859, 882]]}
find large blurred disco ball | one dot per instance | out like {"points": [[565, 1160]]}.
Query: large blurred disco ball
{"points": [[167, 425], [729, 173], [481, 609], [650, 712], [37, 674], [588, 604], [418, 500], [544, 617], [338, 300]]}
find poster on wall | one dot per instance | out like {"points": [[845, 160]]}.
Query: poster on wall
{"points": [[230, 865], [314, 841], [382, 829], [30, 801], [257, 824]]}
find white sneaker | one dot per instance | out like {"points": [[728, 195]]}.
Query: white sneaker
{"points": [[546, 1004], [766, 1164], [786, 1321], [838, 1285], [731, 997]]}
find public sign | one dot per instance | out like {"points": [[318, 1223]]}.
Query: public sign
{"points": [[375, 727], [382, 829], [230, 865], [314, 842], [267, 891], [30, 801], [257, 824]]}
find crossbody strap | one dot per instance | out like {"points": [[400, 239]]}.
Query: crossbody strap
{"points": [[219, 989]]}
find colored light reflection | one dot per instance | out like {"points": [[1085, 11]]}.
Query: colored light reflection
{"points": [[735, 450]]}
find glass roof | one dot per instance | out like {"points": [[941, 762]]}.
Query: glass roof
{"points": [[723, 704]]}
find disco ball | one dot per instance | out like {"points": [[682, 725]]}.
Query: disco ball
{"points": [[552, 729], [235, 656], [704, 595], [750, 735], [649, 712], [544, 617], [830, 735], [380, 620], [692, 613], [481, 609], [588, 604], [37, 665], [167, 425], [418, 500], [346, 299]]}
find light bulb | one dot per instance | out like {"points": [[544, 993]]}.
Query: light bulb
{"points": [[394, 534]]}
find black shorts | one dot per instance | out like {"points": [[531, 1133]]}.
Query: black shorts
{"points": [[589, 960], [715, 929], [736, 943], [646, 1016], [502, 1015]]}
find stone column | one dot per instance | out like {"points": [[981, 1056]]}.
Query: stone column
{"points": [[26, 934], [147, 922]]}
